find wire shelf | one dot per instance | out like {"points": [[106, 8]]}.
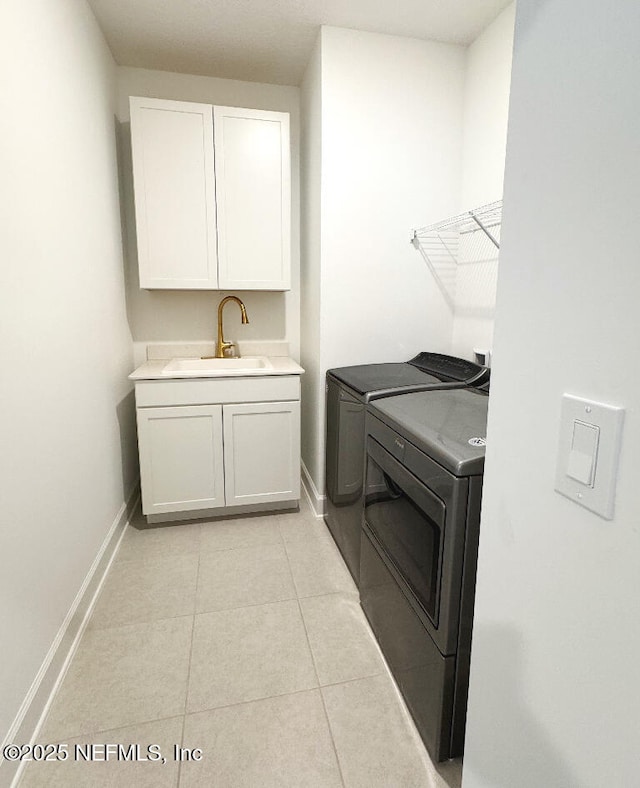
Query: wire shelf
{"points": [[471, 238]]}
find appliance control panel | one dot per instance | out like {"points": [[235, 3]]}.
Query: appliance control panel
{"points": [[588, 449]]}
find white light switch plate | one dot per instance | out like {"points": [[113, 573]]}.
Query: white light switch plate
{"points": [[588, 449]]}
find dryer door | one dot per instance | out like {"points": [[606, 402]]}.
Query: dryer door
{"points": [[407, 521], [415, 512]]}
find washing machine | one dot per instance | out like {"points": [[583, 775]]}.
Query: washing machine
{"points": [[348, 390]]}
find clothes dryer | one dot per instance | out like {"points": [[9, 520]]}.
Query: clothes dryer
{"points": [[425, 462]]}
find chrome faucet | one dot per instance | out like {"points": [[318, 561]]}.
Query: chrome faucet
{"points": [[221, 345]]}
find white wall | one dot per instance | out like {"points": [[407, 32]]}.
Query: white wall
{"points": [[391, 141], [68, 441], [390, 147], [486, 109], [174, 315], [486, 106], [555, 687], [312, 401]]}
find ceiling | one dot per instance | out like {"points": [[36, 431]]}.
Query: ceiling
{"points": [[269, 40]]}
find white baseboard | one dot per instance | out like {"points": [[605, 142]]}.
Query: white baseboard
{"points": [[316, 500], [37, 702]]}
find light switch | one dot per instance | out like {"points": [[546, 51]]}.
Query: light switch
{"points": [[584, 452], [588, 449]]}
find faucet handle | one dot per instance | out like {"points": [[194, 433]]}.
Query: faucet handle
{"points": [[229, 350]]}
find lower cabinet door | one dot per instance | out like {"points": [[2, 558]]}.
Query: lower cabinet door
{"points": [[181, 465], [261, 452]]}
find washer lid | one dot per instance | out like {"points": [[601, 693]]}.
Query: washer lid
{"points": [[450, 425], [366, 378], [425, 369]]}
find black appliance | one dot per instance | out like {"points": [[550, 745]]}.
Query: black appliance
{"points": [[348, 390], [425, 461]]}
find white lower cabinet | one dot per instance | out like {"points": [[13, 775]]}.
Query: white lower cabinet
{"points": [[228, 454], [181, 458], [261, 452]]}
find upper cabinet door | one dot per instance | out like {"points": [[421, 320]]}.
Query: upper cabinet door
{"points": [[173, 170], [253, 193]]}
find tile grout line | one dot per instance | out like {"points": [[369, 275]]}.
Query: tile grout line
{"points": [[245, 607], [122, 561], [281, 694], [214, 708], [348, 594], [280, 544], [140, 623], [250, 546], [210, 709], [293, 579], [315, 668], [193, 630], [333, 741], [146, 563], [324, 707], [102, 731], [154, 619], [219, 610]]}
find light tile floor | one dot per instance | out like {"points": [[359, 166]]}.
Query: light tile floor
{"points": [[244, 638]]}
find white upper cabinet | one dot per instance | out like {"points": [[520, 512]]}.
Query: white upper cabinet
{"points": [[173, 171], [188, 157], [254, 198]]}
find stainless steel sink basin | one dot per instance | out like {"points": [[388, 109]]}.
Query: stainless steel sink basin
{"points": [[216, 366]]}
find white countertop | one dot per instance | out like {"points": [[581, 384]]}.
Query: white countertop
{"points": [[278, 365]]}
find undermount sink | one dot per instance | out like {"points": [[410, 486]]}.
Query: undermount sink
{"points": [[215, 366]]}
